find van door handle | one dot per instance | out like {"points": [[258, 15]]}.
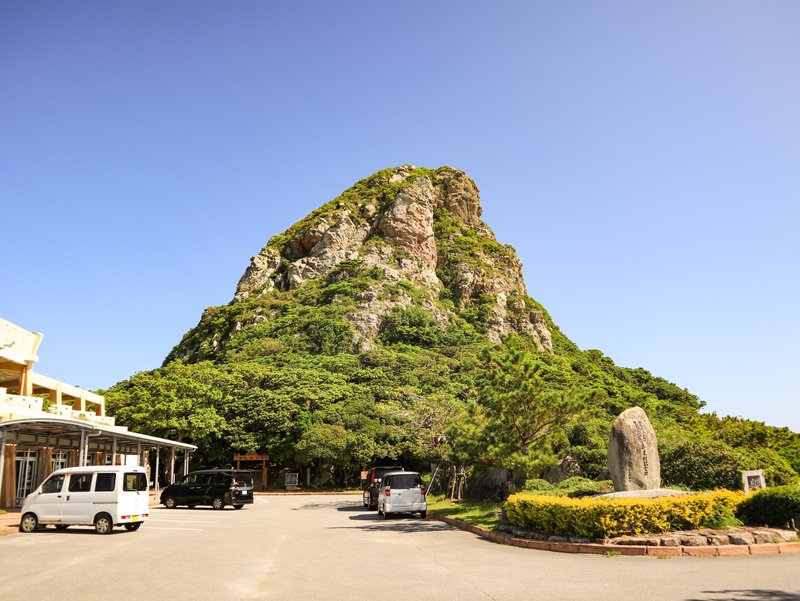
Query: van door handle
{"points": [[67, 497]]}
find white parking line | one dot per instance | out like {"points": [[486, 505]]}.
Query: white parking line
{"points": [[148, 527], [159, 519]]}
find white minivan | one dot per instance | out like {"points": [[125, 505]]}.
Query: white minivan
{"points": [[401, 492], [102, 496]]}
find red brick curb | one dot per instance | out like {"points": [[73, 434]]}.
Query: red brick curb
{"points": [[602, 549]]}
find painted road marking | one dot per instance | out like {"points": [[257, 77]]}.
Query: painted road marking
{"points": [[172, 528], [183, 521]]}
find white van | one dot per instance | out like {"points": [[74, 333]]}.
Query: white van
{"points": [[102, 496]]}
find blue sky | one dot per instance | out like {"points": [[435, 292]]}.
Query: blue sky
{"points": [[643, 159]]}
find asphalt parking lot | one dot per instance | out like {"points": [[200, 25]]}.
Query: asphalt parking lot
{"points": [[331, 548]]}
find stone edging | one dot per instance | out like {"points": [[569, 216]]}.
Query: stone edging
{"points": [[600, 549]]}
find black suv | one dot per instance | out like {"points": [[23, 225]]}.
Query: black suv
{"points": [[370, 484], [210, 487]]}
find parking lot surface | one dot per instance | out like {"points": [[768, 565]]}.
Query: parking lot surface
{"points": [[329, 547]]}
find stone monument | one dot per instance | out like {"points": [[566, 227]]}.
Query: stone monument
{"points": [[633, 452]]}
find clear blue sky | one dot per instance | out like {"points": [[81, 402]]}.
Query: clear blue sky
{"points": [[643, 159]]}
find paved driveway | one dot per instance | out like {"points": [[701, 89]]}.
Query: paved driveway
{"points": [[329, 547]]}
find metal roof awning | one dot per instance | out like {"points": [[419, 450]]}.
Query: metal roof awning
{"points": [[56, 431]]}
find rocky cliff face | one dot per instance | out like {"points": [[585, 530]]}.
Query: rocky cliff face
{"points": [[418, 232]]}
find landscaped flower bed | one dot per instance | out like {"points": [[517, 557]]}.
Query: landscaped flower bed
{"points": [[612, 517]]}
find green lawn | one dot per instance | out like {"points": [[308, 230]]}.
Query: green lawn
{"points": [[478, 513]]}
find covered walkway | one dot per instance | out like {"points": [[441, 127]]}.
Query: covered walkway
{"points": [[32, 448]]}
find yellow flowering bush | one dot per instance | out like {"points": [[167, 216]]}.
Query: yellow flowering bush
{"points": [[606, 517]]}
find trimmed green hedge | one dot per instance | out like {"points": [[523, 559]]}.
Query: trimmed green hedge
{"points": [[771, 507], [609, 517]]}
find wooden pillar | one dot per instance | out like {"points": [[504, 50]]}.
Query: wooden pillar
{"points": [[9, 488], [264, 474]]}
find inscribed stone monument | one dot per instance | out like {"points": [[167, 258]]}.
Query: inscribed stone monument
{"points": [[633, 452]]}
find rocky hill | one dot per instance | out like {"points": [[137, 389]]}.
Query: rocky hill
{"points": [[417, 235]]}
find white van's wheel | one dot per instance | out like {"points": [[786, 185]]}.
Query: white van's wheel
{"points": [[103, 524], [133, 526], [218, 503], [29, 523]]}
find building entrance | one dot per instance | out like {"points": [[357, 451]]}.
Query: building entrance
{"points": [[27, 462]]}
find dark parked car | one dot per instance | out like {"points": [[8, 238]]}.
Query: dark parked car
{"points": [[370, 484], [210, 487]]}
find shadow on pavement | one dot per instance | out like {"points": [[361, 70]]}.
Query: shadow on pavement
{"points": [[351, 508], [749, 595], [402, 523], [338, 505]]}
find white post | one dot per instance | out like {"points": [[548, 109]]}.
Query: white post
{"points": [[2, 461], [81, 450], [172, 466], [158, 455], [114, 451]]}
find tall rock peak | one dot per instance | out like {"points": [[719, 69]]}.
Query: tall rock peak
{"points": [[419, 233]]}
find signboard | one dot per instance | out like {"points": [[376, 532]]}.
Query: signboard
{"points": [[291, 480], [251, 457], [753, 480]]}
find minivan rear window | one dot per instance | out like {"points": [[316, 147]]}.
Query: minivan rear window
{"points": [[134, 481], [405, 481], [243, 479]]}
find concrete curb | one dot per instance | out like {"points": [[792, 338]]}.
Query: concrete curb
{"points": [[602, 549]]}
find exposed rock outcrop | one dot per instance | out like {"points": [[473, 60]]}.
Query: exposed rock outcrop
{"points": [[421, 229]]}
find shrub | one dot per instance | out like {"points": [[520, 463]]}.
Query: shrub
{"points": [[538, 485], [575, 486], [609, 517], [700, 465], [771, 507], [710, 464]]}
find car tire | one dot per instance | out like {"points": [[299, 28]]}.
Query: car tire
{"points": [[423, 514], [238, 506], [133, 526], [192, 506], [385, 515], [218, 503], [62, 526], [170, 503], [103, 524], [29, 523]]}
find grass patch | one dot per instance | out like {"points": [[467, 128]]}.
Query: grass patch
{"points": [[478, 513]]}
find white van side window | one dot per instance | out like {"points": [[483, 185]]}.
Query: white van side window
{"points": [[80, 482], [105, 482], [53, 484]]}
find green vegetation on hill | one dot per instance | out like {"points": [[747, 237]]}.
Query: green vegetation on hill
{"points": [[279, 371]]}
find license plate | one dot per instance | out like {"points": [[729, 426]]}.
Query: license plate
{"points": [[134, 518], [244, 493]]}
